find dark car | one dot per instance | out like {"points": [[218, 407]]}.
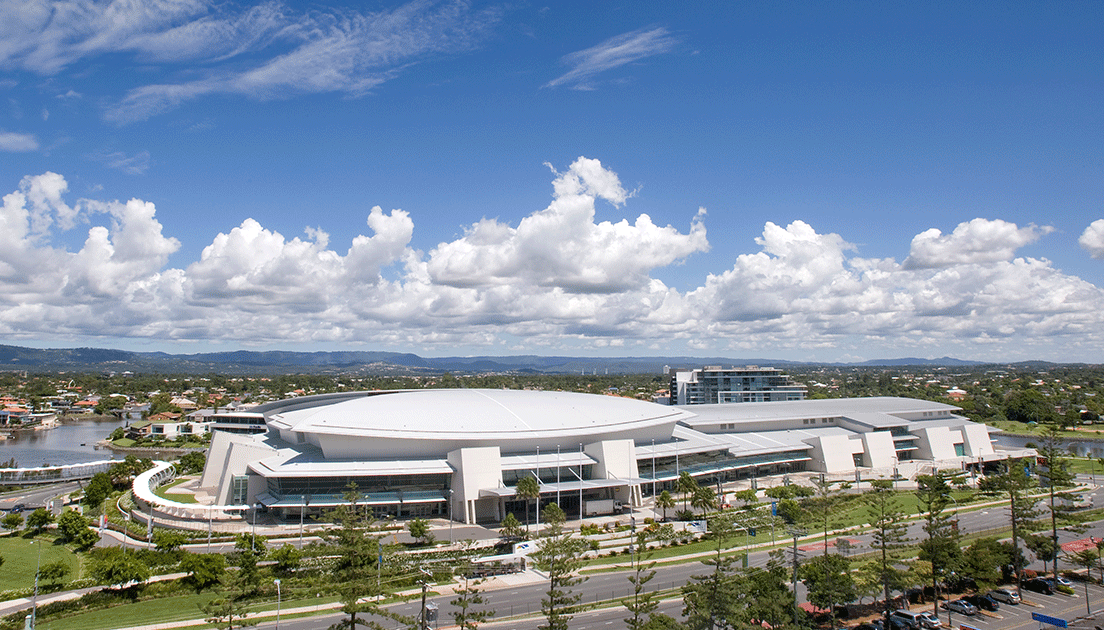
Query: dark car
{"points": [[877, 624], [983, 601], [1039, 585], [19, 507]]}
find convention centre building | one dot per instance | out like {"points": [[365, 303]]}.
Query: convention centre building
{"points": [[459, 453]]}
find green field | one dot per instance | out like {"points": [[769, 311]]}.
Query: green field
{"points": [[21, 557]]}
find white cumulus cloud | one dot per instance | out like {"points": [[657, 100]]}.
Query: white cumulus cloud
{"points": [[979, 240], [1092, 239], [558, 280], [562, 246]]}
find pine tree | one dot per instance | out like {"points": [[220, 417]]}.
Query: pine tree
{"points": [[1059, 482], [942, 547], [711, 602], [1016, 484], [559, 556], [888, 522], [643, 604]]}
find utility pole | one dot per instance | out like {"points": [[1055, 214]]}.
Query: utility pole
{"points": [[796, 556], [423, 622]]}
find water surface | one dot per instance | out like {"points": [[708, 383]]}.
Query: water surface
{"points": [[68, 443]]}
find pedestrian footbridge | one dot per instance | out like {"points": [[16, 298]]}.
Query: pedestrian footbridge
{"points": [[53, 474]]}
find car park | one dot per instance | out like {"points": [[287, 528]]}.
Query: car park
{"points": [[1039, 585], [1006, 595], [984, 601], [960, 606]]}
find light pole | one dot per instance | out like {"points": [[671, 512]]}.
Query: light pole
{"points": [[951, 497], [302, 512], [253, 543], [450, 516], [653, 470], [580, 482], [557, 474], [277, 583], [34, 601]]}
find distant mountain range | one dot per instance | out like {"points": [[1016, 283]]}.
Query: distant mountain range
{"points": [[375, 363]]}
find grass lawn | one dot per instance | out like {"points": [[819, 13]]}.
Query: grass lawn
{"points": [[180, 608], [21, 558], [164, 493], [124, 442], [1085, 465]]}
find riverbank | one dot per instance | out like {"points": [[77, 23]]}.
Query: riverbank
{"points": [[154, 452]]}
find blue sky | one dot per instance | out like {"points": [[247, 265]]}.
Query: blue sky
{"points": [[792, 180]]}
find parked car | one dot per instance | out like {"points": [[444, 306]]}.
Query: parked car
{"points": [[1005, 595], [1039, 585], [984, 601], [1059, 582], [960, 606], [916, 620], [876, 624]]}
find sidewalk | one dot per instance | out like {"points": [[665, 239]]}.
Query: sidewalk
{"points": [[497, 582]]}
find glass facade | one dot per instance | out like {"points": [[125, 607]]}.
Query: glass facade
{"points": [[239, 489], [410, 486], [723, 462], [547, 474]]}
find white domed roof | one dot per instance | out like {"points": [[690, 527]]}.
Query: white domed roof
{"points": [[469, 414]]}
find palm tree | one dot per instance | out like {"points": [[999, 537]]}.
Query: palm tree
{"points": [[527, 488], [686, 486], [704, 499], [664, 501]]}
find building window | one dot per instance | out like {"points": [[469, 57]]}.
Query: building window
{"points": [[960, 450], [239, 489]]}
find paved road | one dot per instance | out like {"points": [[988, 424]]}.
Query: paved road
{"points": [[37, 497]]}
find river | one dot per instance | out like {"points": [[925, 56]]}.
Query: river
{"points": [[68, 443], [1080, 448]]}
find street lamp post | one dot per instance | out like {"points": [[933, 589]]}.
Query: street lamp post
{"points": [[34, 601], [253, 543], [450, 516], [951, 497], [302, 513], [278, 597], [580, 482], [653, 470]]}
